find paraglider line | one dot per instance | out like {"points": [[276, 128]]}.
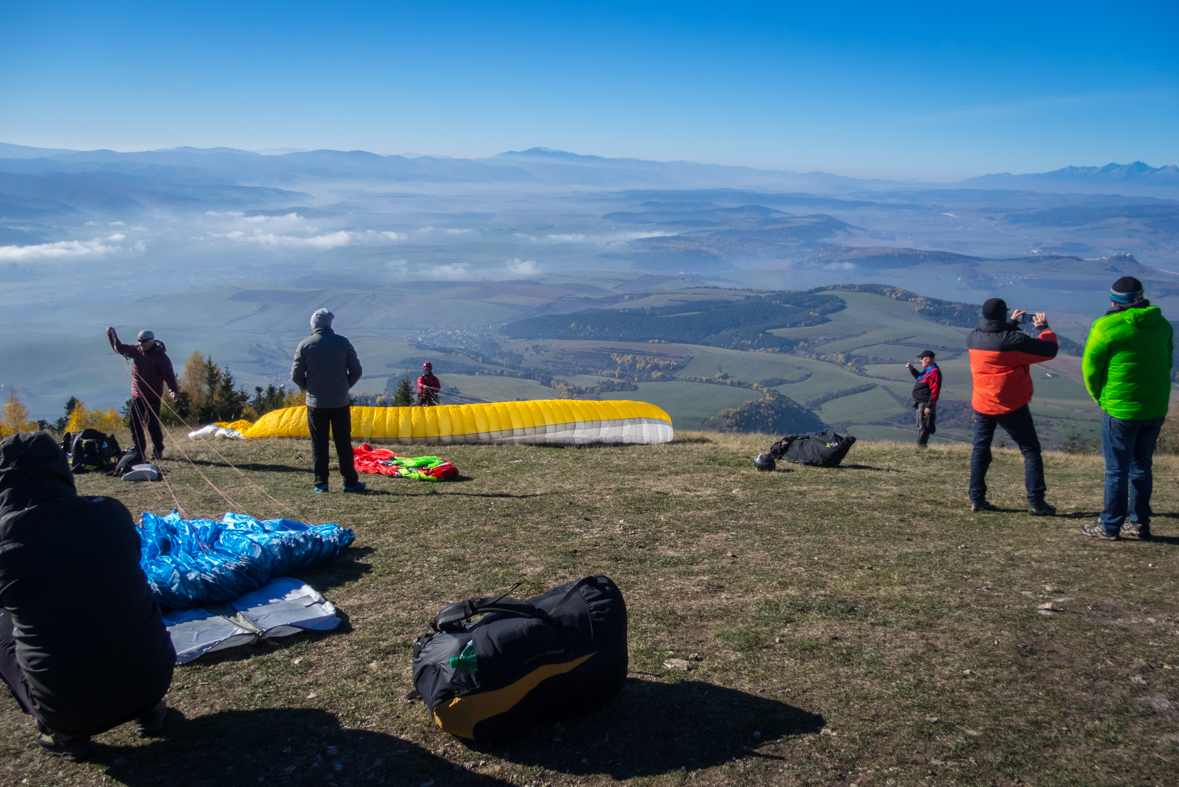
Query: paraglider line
{"points": [[298, 515], [176, 445]]}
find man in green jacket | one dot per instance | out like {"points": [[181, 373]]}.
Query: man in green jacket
{"points": [[1127, 370]]}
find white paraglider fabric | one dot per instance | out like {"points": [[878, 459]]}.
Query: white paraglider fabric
{"points": [[285, 606]]}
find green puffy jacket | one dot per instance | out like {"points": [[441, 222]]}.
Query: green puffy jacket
{"points": [[1127, 364]]}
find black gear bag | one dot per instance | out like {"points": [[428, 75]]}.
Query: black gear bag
{"points": [[523, 662], [90, 450], [821, 449]]}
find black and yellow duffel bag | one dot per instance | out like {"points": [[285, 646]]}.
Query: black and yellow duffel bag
{"points": [[522, 662]]}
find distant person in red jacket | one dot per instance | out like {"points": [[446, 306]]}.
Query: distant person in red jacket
{"points": [[151, 368], [428, 386], [1001, 356], [925, 393]]}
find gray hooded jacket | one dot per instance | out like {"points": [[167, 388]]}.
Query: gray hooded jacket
{"points": [[326, 367]]}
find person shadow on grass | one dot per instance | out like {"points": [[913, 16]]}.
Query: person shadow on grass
{"points": [[295, 746]]}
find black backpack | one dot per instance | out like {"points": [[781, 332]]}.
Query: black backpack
{"points": [[821, 449], [90, 450], [127, 460], [524, 662]]}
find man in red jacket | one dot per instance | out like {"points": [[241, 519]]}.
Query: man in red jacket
{"points": [[926, 389], [428, 386], [151, 368], [1001, 356]]}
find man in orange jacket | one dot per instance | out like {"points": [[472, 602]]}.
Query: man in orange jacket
{"points": [[1001, 356]]}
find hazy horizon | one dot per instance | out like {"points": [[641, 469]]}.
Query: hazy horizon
{"points": [[926, 93]]}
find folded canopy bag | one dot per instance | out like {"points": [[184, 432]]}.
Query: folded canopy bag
{"points": [[523, 662], [820, 449]]}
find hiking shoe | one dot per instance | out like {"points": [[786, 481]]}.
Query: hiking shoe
{"points": [[151, 724], [1097, 530], [357, 487], [157, 454], [1136, 530], [73, 748], [321, 488], [1042, 509], [983, 506]]}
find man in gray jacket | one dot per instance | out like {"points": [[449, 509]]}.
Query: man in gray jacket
{"points": [[326, 367]]}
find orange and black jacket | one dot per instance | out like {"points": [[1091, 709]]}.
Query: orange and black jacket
{"points": [[1000, 359]]}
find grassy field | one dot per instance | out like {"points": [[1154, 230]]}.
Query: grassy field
{"points": [[840, 626]]}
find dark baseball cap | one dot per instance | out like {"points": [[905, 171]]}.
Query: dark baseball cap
{"points": [[926, 354]]}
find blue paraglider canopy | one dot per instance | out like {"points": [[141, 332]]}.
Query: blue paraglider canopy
{"points": [[193, 562]]}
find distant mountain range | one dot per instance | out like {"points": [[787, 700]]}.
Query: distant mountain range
{"points": [[202, 175], [1137, 178]]}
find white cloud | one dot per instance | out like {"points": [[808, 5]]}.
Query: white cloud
{"points": [[522, 268], [117, 224], [457, 232], [611, 239], [462, 271], [330, 240], [289, 218], [118, 236], [66, 249]]}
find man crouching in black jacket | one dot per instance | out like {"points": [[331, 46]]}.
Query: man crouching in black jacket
{"points": [[82, 645]]}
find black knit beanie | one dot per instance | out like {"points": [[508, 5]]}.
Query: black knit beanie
{"points": [[995, 309], [1126, 290]]}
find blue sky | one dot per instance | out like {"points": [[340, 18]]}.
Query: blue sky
{"points": [[930, 91]]}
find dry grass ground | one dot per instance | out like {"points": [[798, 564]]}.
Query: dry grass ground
{"points": [[842, 626]]}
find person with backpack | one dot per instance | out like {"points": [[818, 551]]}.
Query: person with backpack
{"points": [[926, 390], [1001, 356], [151, 370], [326, 367], [428, 386], [1127, 370], [83, 648]]}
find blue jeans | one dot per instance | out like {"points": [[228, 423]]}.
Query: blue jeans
{"points": [[1128, 447], [1018, 424]]}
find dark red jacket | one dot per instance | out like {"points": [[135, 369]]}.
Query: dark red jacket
{"points": [[149, 370], [1001, 356], [428, 388]]}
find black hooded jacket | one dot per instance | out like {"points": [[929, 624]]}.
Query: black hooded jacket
{"points": [[88, 632]]}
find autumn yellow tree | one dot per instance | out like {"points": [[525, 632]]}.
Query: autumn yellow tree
{"points": [[192, 380], [16, 417], [84, 418]]}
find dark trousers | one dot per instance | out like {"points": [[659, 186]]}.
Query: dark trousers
{"points": [[146, 412], [926, 424], [339, 421], [1018, 424], [10, 670], [1128, 449]]}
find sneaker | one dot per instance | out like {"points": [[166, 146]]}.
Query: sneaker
{"points": [[1136, 530], [321, 488], [1042, 509], [357, 487], [73, 748], [151, 724], [983, 506], [1097, 530]]}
